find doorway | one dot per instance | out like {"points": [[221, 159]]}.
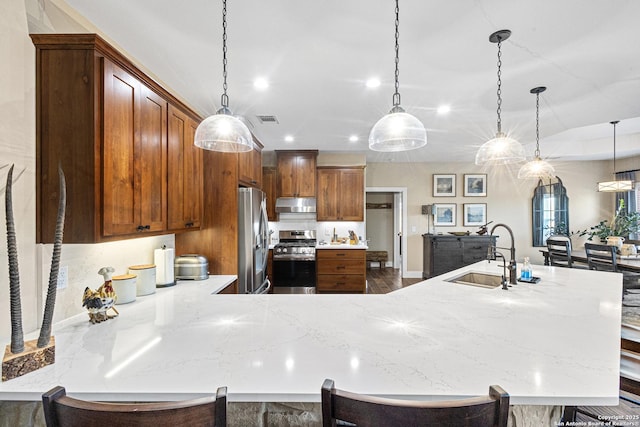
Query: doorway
{"points": [[386, 218]]}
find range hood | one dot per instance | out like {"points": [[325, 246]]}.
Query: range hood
{"points": [[296, 205]]}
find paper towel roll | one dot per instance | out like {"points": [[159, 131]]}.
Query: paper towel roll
{"points": [[163, 259]]}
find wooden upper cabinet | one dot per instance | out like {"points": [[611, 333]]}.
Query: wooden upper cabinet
{"points": [[106, 124], [184, 173], [340, 194], [134, 155], [250, 166], [327, 203], [296, 173], [269, 187]]}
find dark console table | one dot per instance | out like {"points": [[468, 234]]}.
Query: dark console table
{"points": [[443, 253]]}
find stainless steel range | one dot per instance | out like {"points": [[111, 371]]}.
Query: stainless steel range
{"points": [[294, 262]]}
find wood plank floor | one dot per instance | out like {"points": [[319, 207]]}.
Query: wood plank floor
{"points": [[385, 280]]}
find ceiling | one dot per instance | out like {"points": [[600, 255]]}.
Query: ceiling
{"points": [[317, 56]]}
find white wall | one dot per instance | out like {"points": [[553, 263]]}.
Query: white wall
{"points": [[17, 145], [508, 200]]}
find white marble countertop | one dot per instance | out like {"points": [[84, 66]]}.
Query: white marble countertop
{"points": [[341, 246], [552, 343]]}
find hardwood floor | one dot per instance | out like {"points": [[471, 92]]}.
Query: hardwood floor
{"points": [[385, 280]]}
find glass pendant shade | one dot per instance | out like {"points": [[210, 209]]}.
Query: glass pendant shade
{"points": [[397, 131], [615, 186], [500, 150], [223, 132], [537, 169]]}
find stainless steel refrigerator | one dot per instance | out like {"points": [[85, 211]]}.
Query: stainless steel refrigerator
{"points": [[253, 244]]}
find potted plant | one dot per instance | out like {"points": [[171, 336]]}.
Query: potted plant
{"points": [[622, 224]]}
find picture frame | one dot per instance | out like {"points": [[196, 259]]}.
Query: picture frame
{"points": [[474, 214], [444, 185], [444, 214], [475, 185]]}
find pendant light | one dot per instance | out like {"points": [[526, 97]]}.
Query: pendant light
{"points": [[537, 168], [223, 131], [615, 185], [501, 150], [397, 131]]}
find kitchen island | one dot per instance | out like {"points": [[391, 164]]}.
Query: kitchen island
{"points": [[554, 343]]}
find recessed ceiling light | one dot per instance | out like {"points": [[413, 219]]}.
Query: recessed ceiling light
{"points": [[261, 83], [288, 138], [373, 82], [353, 138], [444, 109]]}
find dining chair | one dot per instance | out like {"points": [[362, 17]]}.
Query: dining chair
{"points": [[559, 249], [361, 410], [601, 257], [61, 410]]}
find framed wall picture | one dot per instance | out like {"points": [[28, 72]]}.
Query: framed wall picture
{"points": [[444, 185], [474, 214], [444, 214], [475, 185]]}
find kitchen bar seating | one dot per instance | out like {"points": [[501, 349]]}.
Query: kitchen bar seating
{"points": [[559, 248], [601, 257], [61, 410], [369, 411]]}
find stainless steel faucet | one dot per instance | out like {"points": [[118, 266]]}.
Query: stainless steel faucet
{"points": [[492, 254]]}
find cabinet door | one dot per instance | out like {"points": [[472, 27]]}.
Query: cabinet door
{"points": [[305, 176], [151, 161], [328, 189], [286, 170], [184, 173], [351, 191], [248, 164], [447, 255], [269, 187], [121, 213]]}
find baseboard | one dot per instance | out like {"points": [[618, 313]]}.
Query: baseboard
{"points": [[413, 275]]}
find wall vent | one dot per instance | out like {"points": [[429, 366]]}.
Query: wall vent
{"points": [[267, 118]]}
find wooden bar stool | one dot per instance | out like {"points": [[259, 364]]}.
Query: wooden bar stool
{"points": [[369, 411], [61, 410]]}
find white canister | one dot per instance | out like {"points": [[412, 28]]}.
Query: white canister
{"points": [[124, 287], [615, 241], [146, 281]]}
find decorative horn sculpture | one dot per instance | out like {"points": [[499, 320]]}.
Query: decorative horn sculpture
{"points": [[19, 360], [17, 337], [45, 330]]}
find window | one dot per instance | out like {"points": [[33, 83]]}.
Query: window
{"points": [[550, 211]]}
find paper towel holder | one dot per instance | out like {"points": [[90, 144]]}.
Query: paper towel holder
{"points": [[165, 277]]}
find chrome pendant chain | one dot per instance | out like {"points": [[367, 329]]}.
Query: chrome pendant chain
{"points": [[224, 99], [614, 123], [396, 95], [537, 153], [499, 91]]}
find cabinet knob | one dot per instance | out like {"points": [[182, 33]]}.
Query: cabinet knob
{"points": [[189, 224]]}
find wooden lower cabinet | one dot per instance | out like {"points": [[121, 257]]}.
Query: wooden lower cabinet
{"points": [[270, 269], [231, 288], [442, 254], [341, 270]]}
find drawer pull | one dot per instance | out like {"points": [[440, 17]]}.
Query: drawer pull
{"points": [[340, 254], [340, 267], [340, 283]]}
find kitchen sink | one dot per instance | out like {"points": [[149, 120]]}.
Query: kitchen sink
{"points": [[482, 280]]}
